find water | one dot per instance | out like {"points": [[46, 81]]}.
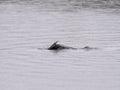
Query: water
{"points": [[24, 28]]}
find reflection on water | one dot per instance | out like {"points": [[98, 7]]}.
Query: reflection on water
{"points": [[25, 28]]}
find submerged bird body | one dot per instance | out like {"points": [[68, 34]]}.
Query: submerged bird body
{"points": [[56, 46]]}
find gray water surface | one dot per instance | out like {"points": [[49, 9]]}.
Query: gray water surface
{"points": [[24, 28]]}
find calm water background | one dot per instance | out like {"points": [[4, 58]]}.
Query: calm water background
{"points": [[27, 25]]}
